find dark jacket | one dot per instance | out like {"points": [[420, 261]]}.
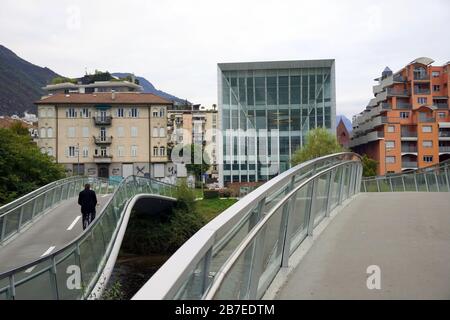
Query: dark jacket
{"points": [[87, 200]]}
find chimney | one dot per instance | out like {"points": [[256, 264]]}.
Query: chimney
{"points": [[113, 94]]}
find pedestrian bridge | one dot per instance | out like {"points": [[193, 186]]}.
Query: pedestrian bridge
{"points": [[317, 231], [45, 254]]}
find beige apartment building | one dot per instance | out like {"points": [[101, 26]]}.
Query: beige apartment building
{"points": [[189, 124], [105, 134]]}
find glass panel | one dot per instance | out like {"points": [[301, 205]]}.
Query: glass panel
{"points": [[40, 287], [431, 180], [298, 218], [12, 222], [397, 184], [226, 246], [88, 260], [27, 212], [421, 185], [193, 289], [272, 250], [237, 281], [409, 182], [68, 275], [320, 202], [442, 180], [384, 185]]}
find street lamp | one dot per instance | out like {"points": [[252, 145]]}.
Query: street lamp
{"points": [[78, 154]]}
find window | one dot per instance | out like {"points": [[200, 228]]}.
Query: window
{"points": [[84, 113], [85, 152], [49, 112], [155, 151], [85, 132], [162, 132], [49, 132], [391, 129], [50, 151], [72, 151], [134, 112], [390, 144], [71, 132], [120, 132], [390, 159], [441, 115], [427, 159], [43, 133], [120, 113], [404, 115], [71, 113], [162, 151], [134, 131], [155, 132], [155, 113], [120, 151], [436, 88], [427, 143], [133, 151], [436, 74], [43, 113], [43, 151], [162, 112], [422, 100], [426, 129]]}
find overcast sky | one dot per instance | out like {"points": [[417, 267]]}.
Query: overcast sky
{"points": [[177, 44]]}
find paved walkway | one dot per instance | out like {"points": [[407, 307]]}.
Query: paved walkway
{"points": [[406, 234], [48, 234]]}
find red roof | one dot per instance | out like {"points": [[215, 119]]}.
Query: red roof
{"points": [[104, 97]]}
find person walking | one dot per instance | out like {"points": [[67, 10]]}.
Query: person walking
{"points": [[87, 199]]}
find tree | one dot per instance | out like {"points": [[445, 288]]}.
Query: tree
{"points": [[23, 168], [319, 142], [197, 166], [369, 166]]}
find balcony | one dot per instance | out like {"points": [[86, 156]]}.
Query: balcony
{"points": [[444, 149], [444, 134], [422, 91], [441, 105], [404, 105], [399, 78], [427, 119], [409, 149], [102, 158], [398, 92], [409, 164], [421, 77], [103, 121], [408, 135], [103, 140], [386, 106]]}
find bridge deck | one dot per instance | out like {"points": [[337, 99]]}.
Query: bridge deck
{"points": [[406, 234], [46, 235]]}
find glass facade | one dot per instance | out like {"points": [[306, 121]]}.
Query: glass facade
{"points": [[265, 111]]}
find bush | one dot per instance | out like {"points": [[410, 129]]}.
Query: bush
{"points": [[226, 193], [210, 194]]}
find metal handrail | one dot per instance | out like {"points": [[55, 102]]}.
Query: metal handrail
{"points": [[414, 180], [74, 245], [254, 232], [210, 245]]}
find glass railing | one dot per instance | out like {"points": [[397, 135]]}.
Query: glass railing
{"points": [[74, 270], [17, 215], [430, 179], [238, 254]]}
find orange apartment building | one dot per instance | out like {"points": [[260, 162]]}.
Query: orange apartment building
{"points": [[407, 124]]}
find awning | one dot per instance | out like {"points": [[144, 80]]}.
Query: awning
{"points": [[444, 124]]}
